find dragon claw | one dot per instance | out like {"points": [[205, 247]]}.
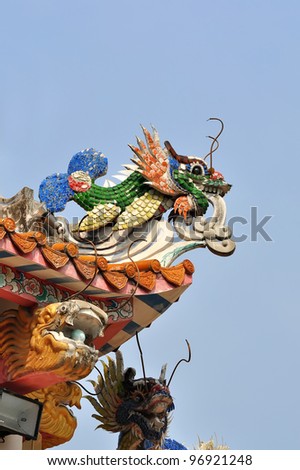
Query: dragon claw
{"points": [[183, 205], [158, 180]]}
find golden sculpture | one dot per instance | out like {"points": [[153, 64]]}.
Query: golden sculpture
{"points": [[58, 423], [56, 340]]}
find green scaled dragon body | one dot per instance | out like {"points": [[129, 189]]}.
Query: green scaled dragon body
{"points": [[159, 180]]}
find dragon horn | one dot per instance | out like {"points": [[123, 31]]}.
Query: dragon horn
{"points": [[179, 158], [181, 360], [162, 376]]}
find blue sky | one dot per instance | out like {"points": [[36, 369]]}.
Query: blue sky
{"points": [[77, 74]]}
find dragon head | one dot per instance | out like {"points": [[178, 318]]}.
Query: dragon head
{"points": [[144, 409], [136, 408], [186, 180], [52, 342], [196, 170]]}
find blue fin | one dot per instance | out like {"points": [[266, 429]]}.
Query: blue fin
{"points": [[55, 192], [91, 161]]}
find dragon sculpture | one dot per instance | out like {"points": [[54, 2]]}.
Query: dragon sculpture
{"points": [[55, 341], [138, 409], [53, 344], [159, 180]]}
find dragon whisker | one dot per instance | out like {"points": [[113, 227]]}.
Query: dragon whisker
{"points": [[181, 360]]}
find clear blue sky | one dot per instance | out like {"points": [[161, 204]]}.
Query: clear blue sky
{"points": [[77, 74]]}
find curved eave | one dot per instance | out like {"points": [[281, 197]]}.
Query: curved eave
{"points": [[133, 298]]}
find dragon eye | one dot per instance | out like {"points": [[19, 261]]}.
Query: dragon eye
{"points": [[197, 170], [138, 396], [63, 309]]}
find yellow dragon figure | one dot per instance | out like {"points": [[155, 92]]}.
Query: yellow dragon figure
{"points": [[49, 347], [54, 342], [159, 180], [58, 422]]}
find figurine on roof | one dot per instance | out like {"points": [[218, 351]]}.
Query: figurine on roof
{"points": [[159, 180], [138, 409]]}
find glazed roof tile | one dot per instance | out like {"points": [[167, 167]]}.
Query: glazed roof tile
{"points": [[60, 254]]}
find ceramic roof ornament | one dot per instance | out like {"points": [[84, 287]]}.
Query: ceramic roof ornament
{"points": [[160, 181], [138, 409], [80, 291]]}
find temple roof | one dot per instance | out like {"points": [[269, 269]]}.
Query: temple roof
{"points": [[64, 258]]}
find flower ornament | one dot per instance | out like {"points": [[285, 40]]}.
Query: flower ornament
{"points": [[32, 286]]}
